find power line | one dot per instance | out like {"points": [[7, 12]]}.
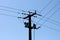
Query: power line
{"points": [[50, 10], [49, 28], [12, 8], [49, 21], [10, 15], [9, 7], [52, 20], [55, 21], [17, 10], [53, 29], [46, 6], [9, 10], [34, 32], [20, 9], [50, 16], [47, 13], [7, 15]]}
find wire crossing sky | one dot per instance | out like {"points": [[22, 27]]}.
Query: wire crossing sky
{"points": [[12, 27]]}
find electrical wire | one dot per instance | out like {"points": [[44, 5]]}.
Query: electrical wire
{"points": [[55, 24], [17, 10], [51, 22], [49, 27], [53, 29], [9, 10], [11, 16], [9, 7], [7, 15], [50, 16], [23, 10], [12, 8], [46, 13], [46, 20], [55, 21], [49, 11], [46, 6]]}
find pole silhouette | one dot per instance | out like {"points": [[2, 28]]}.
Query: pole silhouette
{"points": [[28, 24]]}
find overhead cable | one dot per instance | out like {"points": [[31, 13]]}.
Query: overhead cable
{"points": [[9, 10], [49, 17], [46, 6]]}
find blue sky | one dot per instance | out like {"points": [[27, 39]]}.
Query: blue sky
{"points": [[12, 28]]}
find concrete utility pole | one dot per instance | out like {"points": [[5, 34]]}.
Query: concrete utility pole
{"points": [[28, 24]]}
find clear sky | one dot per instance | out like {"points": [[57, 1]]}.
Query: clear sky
{"points": [[12, 28]]}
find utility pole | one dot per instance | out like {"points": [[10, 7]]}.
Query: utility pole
{"points": [[28, 24]]}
